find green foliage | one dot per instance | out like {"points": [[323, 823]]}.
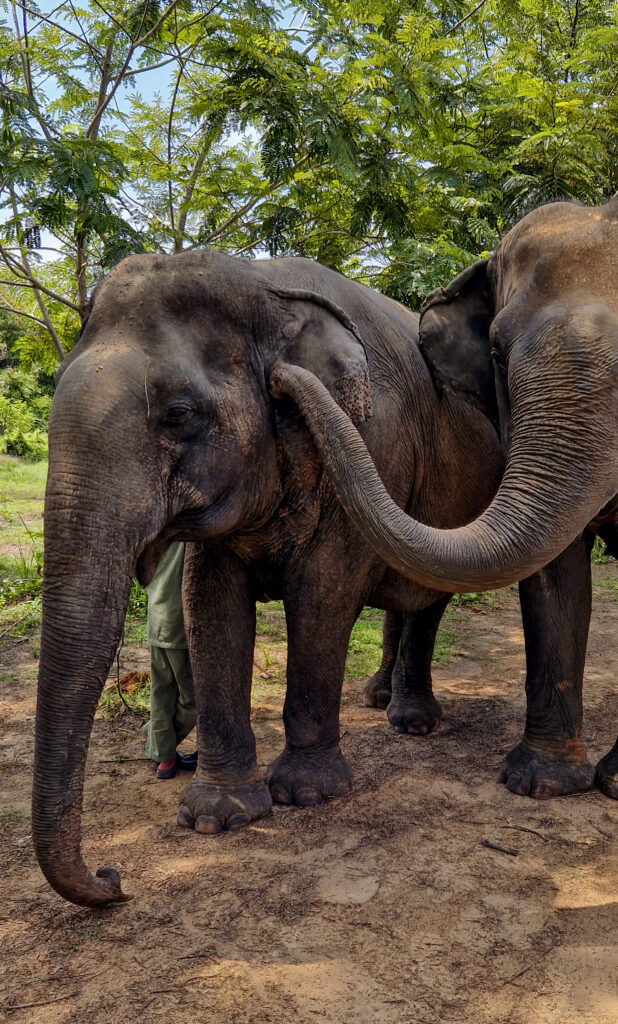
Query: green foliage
{"points": [[24, 412], [365, 648], [598, 552], [394, 143], [482, 599], [138, 602]]}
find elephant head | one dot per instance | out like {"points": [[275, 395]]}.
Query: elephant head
{"points": [[530, 336], [162, 427]]}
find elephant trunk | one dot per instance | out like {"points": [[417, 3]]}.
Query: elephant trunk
{"points": [[534, 514], [85, 596]]}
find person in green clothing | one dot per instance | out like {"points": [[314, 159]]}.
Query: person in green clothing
{"points": [[172, 693]]}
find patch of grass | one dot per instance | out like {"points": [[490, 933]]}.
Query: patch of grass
{"points": [[11, 819], [11, 816], [135, 632], [138, 602], [365, 649], [136, 694], [598, 552], [443, 650], [270, 621], [480, 599], [22, 487], [18, 620], [20, 481], [21, 575], [611, 585]]}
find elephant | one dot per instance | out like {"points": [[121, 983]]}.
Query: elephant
{"points": [[532, 333], [163, 427]]}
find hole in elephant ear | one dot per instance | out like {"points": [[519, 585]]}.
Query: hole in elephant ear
{"points": [[321, 337], [454, 337]]}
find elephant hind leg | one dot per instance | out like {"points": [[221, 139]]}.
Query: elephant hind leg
{"points": [[413, 707], [377, 690]]}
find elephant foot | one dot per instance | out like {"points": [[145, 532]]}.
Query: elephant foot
{"points": [[377, 691], [418, 714], [305, 779], [606, 775], [531, 772], [209, 808]]}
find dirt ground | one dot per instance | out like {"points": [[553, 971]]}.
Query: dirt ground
{"points": [[381, 907]]}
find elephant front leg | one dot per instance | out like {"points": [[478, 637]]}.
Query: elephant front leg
{"points": [[226, 791], [312, 766], [550, 760], [413, 707]]}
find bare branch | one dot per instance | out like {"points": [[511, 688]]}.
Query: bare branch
{"points": [[466, 17], [62, 28], [251, 203], [25, 62], [18, 312], [24, 270]]}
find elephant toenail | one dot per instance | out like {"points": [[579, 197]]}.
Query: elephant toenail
{"points": [[185, 818], [207, 825], [545, 790], [237, 821], [516, 784], [280, 794], [307, 797]]}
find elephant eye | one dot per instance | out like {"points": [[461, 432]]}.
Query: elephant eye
{"points": [[178, 414]]}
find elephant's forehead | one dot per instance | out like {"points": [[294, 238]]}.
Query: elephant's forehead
{"points": [[179, 282], [561, 246], [558, 224]]}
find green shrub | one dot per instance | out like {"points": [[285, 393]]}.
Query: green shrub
{"points": [[25, 401]]}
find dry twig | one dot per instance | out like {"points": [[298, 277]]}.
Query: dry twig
{"points": [[501, 849], [42, 1002]]}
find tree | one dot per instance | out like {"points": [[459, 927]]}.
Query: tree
{"points": [[394, 142]]}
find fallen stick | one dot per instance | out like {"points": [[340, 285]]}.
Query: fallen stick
{"points": [[501, 849], [43, 1002], [522, 828], [121, 759]]}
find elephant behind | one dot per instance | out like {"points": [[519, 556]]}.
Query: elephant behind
{"points": [[531, 333]]}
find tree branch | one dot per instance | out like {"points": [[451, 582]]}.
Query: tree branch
{"points": [[24, 270], [19, 312], [25, 63], [251, 203], [466, 17]]}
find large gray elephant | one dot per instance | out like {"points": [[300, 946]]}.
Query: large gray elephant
{"points": [[533, 331], [163, 427]]}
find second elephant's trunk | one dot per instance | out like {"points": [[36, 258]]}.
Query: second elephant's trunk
{"points": [[533, 517]]}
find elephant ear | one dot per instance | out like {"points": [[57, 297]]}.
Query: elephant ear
{"points": [[454, 337], [319, 336]]}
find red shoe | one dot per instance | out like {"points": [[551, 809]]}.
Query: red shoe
{"points": [[166, 769]]}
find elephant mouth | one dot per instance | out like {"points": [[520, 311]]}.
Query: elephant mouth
{"points": [[191, 524], [149, 557]]}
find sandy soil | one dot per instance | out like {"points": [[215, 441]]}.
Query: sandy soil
{"points": [[382, 907]]}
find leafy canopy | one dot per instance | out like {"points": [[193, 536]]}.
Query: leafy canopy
{"points": [[393, 140]]}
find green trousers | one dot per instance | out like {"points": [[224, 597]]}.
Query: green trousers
{"points": [[172, 702]]}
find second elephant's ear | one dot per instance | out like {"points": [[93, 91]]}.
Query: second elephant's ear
{"points": [[319, 336], [454, 337]]}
